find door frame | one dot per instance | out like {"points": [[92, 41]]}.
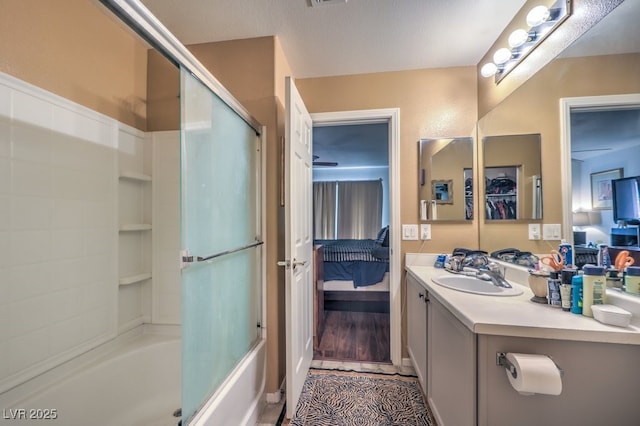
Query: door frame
{"points": [[392, 117], [566, 106]]}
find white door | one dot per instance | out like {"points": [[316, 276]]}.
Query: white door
{"points": [[298, 244]]}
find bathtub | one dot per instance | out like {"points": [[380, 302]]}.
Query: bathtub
{"points": [[132, 380]]}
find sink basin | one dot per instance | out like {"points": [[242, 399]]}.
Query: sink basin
{"points": [[475, 286]]}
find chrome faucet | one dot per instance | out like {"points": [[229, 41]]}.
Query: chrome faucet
{"points": [[493, 273], [478, 266]]}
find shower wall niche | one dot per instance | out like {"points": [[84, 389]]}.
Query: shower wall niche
{"points": [[134, 228]]}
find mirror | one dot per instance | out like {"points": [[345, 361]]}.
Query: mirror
{"points": [[445, 181], [512, 177], [603, 61]]}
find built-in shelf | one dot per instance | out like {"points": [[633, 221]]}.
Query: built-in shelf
{"points": [[139, 177], [132, 279], [135, 227]]}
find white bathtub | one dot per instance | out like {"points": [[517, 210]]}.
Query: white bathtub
{"points": [[133, 380]]}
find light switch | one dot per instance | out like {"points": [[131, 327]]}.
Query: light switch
{"points": [[534, 231], [425, 231], [409, 232], [551, 231]]}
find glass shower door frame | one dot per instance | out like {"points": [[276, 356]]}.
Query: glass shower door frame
{"points": [[221, 233]]}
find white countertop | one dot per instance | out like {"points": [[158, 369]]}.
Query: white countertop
{"points": [[518, 316]]}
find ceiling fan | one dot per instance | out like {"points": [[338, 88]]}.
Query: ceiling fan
{"points": [[323, 163], [591, 150]]}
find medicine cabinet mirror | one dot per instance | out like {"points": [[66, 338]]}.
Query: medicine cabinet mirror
{"points": [[512, 187], [445, 181]]}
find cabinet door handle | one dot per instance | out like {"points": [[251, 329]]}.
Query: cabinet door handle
{"points": [[420, 295], [426, 299]]}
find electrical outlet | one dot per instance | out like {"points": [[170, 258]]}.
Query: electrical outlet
{"points": [[534, 231], [425, 231], [410, 232], [551, 231]]}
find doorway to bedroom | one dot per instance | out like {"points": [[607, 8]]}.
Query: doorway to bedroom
{"points": [[351, 199]]}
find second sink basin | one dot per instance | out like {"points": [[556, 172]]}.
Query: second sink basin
{"points": [[475, 285]]}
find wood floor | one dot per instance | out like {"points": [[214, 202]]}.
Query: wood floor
{"points": [[355, 336]]}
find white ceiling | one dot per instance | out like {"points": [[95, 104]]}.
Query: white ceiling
{"points": [[361, 145], [359, 36]]}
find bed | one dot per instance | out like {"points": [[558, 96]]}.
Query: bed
{"points": [[354, 271], [363, 262]]}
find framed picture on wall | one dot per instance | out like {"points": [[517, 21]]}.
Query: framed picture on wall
{"points": [[601, 191], [442, 191]]}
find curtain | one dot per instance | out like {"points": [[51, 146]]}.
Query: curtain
{"points": [[324, 210], [359, 209]]}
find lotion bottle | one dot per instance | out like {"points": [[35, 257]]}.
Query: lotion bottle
{"points": [[632, 280], [594, 288]]}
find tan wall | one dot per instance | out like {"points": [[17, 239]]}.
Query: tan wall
{"points": [[433, 103], [277, 346], [535, 108], [78, 51], [163, 93]]}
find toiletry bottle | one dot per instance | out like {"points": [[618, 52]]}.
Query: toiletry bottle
{"points": [[567, 275], [566, 250], [553, 290], [604, 259], [613, 280], [632, 280], [594, 288], [576, 294]]}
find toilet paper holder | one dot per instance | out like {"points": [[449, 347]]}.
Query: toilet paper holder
{"points": [[501, 360]]}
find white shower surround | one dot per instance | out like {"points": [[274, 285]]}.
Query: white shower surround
{"points": [[104, 363], [132, 380], [58, 229]]}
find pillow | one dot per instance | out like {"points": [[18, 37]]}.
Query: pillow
{"points": [[385, 243], [380, 252], [382, 235]]}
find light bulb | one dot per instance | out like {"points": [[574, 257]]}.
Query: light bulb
{"points": [[488, 70], [501, 56], [518, 38], [538, 15]]}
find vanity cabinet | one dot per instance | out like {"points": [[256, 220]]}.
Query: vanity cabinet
{"points": [[599, 384], [417, 306], [451, 371]]}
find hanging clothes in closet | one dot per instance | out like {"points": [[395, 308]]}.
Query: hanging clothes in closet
{"points": [[501, 198]]}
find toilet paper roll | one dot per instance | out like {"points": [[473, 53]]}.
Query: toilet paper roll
{"points": [[535, 374]]}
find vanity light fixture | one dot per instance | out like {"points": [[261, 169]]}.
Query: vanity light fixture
{"points": [[488, 69], [538, 15], [502, 56], [519, 37], [540, 22]]}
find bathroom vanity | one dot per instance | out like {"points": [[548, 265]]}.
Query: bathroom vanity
{"points": [[460, 334]]}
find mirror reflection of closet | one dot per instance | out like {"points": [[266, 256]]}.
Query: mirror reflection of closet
{"points": [[445, 180], [512, 187]]}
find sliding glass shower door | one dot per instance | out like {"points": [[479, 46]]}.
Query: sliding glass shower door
{"points": [[220, 232]]}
